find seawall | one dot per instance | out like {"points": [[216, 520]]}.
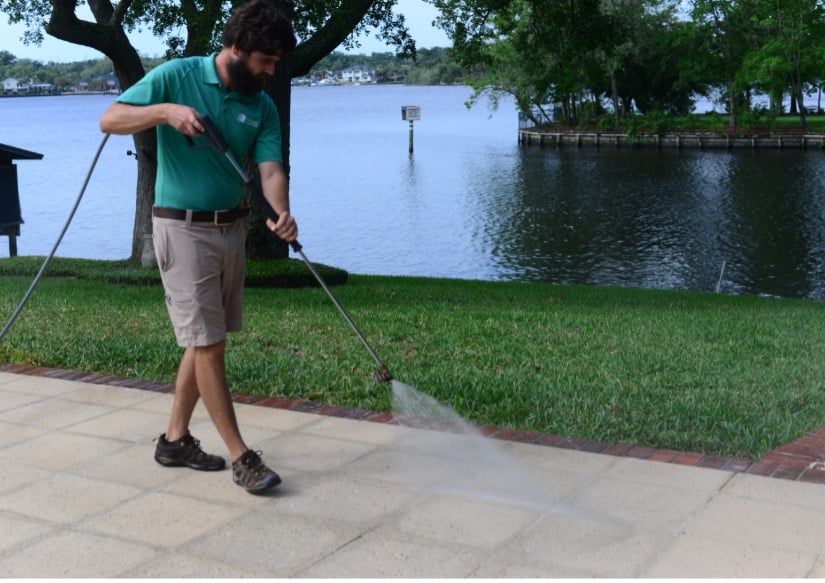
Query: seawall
{"points": [[704, 140]]}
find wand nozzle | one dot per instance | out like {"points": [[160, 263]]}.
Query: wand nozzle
{"points": [[382, 375]]}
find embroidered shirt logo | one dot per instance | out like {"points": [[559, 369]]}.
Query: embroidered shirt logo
{"points": [[247, 121]]}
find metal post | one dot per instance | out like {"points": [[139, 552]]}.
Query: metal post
{"points": [[411, 136], [411, 113]]}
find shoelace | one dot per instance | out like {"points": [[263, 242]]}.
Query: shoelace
{"points": [[253, 463], [194, 445]]}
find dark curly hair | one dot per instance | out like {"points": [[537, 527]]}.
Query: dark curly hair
{"points": [[259, 26]]}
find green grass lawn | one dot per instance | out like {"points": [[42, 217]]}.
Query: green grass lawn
{"points": [[726, 375]]}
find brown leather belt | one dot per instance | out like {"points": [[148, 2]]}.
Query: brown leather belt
{"points": [[218, 218]]}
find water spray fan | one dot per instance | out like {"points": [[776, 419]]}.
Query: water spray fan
{"points": [[219, 143]]}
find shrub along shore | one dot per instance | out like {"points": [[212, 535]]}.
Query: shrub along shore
{"points": [[726, 375]]}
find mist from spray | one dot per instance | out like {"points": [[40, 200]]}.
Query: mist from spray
{"points": [[473, 464]]}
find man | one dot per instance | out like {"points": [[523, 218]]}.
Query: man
{"points": [[199, 231]]}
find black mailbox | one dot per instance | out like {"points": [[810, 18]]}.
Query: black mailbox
{"points": [[10, 218]]}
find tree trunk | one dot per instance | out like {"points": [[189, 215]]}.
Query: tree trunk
{"points": [[146, 148], [799, 97], [262, 243], [108, 37], [614, 92]]}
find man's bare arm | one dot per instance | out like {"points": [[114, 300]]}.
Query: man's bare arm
{"points": [[276, 191], [122, 119]]}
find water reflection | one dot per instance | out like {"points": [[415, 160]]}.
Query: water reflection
{"points": [[662, 219], [775, 210], [470, 203]]}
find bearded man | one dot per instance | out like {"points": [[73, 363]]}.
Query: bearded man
{"points": [[199, 229]]}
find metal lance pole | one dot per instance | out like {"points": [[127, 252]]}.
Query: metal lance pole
{"points": [[219, 143]]}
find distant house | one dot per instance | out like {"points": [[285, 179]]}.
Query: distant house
{"points": [[357, 74], [35, 88], [110, 81], [324, 78], [12, 86], [107, 83], [354, 75]]}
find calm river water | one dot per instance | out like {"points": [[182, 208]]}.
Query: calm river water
{"points": [[470, 202]]}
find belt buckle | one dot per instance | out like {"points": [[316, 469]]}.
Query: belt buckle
{"points": [[218, 222]]}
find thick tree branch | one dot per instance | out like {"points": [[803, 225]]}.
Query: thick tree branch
{"points": [[109, 39], [329, 36], [102, 10], [121, 9]]}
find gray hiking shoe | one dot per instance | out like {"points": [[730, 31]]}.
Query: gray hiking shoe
{"points": [[250, 472], [186, 451]]}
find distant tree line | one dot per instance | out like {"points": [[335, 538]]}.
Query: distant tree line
{"points": [[431, 67], [63, 76]]}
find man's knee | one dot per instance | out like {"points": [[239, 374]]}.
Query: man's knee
{"points": [[212, 350]]}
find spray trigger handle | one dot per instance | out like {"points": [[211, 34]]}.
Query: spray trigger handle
{"points": [[211, 133], [218, 142]]}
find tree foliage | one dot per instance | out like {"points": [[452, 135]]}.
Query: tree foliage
{"points": [[578, 58], [792, 51]]}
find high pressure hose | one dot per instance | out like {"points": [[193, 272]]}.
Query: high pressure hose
{"points": [[57, 243], [218, 142]]}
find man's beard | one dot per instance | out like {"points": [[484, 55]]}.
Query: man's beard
{"points": [[243, 81]]}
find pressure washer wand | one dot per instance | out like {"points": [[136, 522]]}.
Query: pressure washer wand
{"points": [[382, 374], [218, 142]]}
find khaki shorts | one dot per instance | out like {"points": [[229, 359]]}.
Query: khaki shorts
{"points": [[202, 267]]}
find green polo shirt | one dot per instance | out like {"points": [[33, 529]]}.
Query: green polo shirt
{"points": [[203, 179]]}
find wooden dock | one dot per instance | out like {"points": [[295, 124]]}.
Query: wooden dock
{"points": [[704, 141]]}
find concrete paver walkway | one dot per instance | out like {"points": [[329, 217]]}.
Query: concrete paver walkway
{"points": [[80, 496]]}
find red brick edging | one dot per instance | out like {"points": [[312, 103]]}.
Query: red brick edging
{"points": [[801, 460]]}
